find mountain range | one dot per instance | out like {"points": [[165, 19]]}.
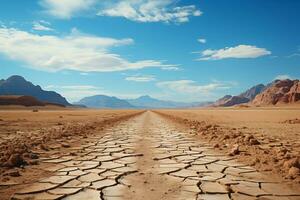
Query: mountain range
{"points": [[103, 101], [17, 85], [143, 102], [245, 97], [277, 92], [16, 89]]}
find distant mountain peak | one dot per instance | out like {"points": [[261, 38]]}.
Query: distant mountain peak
{"points": [[145, 97], [103, 101], [18, 85]]}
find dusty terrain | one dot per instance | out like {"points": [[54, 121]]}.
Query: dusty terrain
{"points": [[266, 138], [95, 154]]}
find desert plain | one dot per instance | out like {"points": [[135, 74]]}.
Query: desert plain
{"points": [[210, 153]]}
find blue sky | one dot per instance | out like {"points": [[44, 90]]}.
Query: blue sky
{"points": [[192, 50]]}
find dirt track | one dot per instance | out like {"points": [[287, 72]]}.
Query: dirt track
{"points": [[146, 157]]}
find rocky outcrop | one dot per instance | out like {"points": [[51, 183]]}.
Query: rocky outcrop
{"points": [[279, 92], [252, 92]]}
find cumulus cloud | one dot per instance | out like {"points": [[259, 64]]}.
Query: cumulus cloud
{"points": [[66, 9], [78, 52], [41, 26], [141, 78], [191, 87], [149, 10], [240, 51]]}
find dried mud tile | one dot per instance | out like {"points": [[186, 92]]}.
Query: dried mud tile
{"points": [[75, 184], [125, 170], [278, 189], [237, 196], [57, 179], [114, 191], [37, 196], [199, 168], [248, 190], [64, 191], [104, 158], [77, 173], [215, 167], [56, 161], [191, 188], [36, 187], [213, 197], [86, 194], [213, 188], [110, 165], [68, 169], [185, 173], [103, 184], [91, 177]]}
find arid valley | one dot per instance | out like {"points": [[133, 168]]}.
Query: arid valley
{"points": [[149, 100], [233, 153]]}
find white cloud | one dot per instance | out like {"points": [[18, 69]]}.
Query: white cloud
{"points": [[75, 92], [240, 51], [149, 10], [191, 87], [171, 68], [141, 78], [191, 91], [202, 40], [66, 9], [293, 55], [72, 87], [41, 26], [78, 52], [283, 77]]}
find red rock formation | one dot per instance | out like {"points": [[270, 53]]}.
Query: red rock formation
{"points": [[279, 92]]}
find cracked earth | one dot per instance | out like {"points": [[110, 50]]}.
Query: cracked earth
{"points": [[146, 157]]}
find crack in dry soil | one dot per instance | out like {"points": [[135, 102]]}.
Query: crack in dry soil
{"points": [[145, 157]]}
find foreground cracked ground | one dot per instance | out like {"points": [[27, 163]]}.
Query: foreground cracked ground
{"points": [[145, 157]]}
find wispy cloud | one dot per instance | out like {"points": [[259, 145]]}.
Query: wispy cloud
{"points": [[171, 68], [282, 77], [136, 10], [76, 51], [76, 92], [41, 26], [240, 51], [202, 40], [150, 10], [189, 90], [141, 78], [191, 87], [294, 55], [66, 9]]}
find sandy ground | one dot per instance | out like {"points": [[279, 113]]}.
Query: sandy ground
{"points": [[266, 138], [25, 134], [145, 156]]}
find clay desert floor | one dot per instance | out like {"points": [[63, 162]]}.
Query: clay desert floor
{"points": [[207, 154]]}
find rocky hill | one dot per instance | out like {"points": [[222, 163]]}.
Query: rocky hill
{"points": [[279, 92], [244, 97], [147, 101], [17, 85], [23, 101], [103, 101]]}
